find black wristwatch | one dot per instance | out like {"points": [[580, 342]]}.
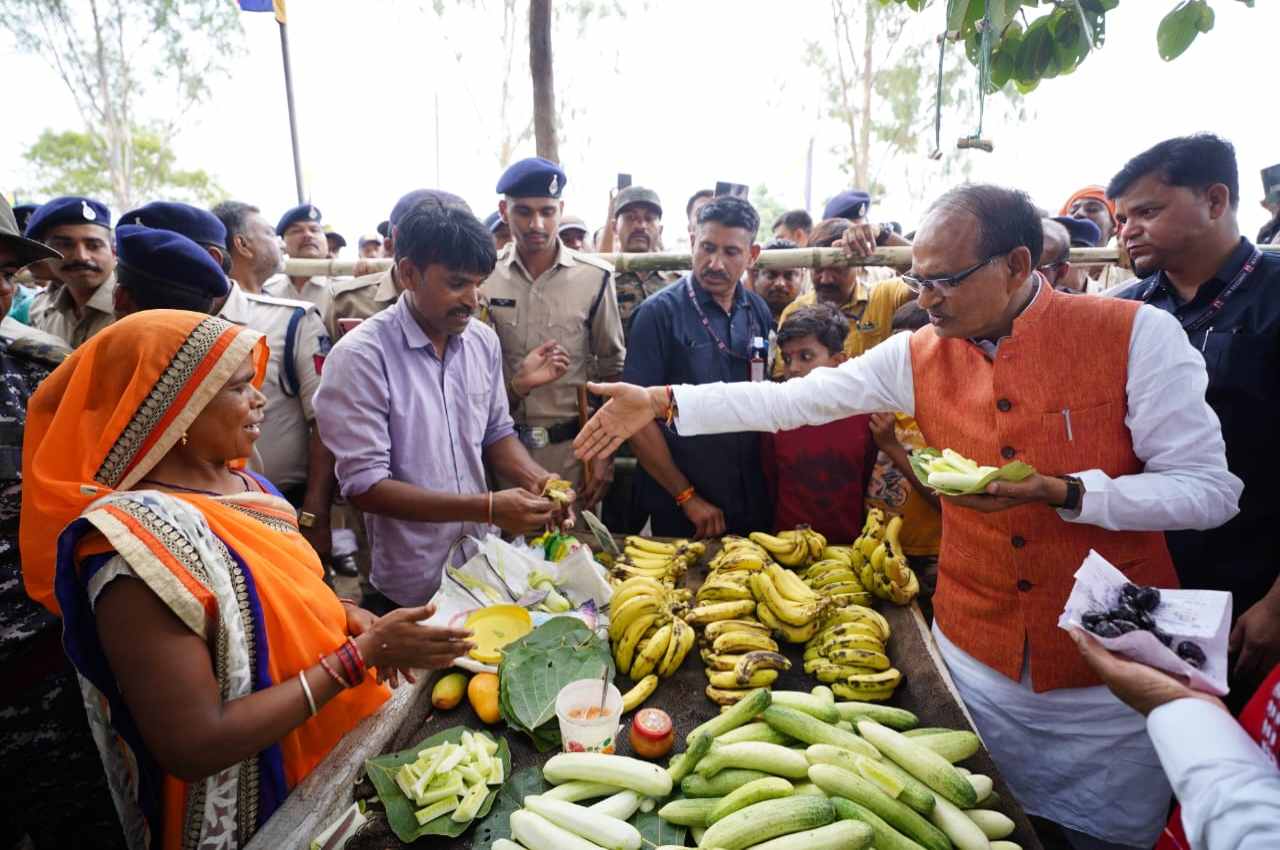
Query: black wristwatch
{"points": [[1075, 493]]}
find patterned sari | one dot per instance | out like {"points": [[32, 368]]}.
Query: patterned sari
{"points": [[234, 569]]}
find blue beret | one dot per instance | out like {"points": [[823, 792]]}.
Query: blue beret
{"points": [[418, 197], [68, 209], [534, 177], [851, 204], [163, 258], [493, 221], [192, 222], [1084, 233], [22, 213], [303, 212]]}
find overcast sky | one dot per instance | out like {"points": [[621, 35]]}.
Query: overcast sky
{"points": [[680, 95]]}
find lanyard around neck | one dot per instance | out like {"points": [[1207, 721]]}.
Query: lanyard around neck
{"points": [[706, 324]]}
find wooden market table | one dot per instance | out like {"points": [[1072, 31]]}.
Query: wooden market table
{"points": [[926, 690]]}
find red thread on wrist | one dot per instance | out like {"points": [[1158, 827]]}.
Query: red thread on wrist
{"points": [[685, 495]]}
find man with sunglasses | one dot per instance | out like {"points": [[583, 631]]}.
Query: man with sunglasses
{"points": [[1105, 399]]}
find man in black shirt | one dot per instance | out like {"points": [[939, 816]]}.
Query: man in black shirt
{"points": [[1176, 206]]}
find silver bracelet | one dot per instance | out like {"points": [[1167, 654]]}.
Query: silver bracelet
{"points": [[306, 690]]}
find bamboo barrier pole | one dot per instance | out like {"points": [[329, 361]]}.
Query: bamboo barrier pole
{"points": [[898, 257]]}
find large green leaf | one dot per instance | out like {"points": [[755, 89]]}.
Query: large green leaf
{"points": [[1013, 471], [536, 667], [1181, 26], [400, 809], [654, 830]]}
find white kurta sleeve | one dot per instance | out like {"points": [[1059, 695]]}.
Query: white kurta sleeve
{"points": [[1229, 791], [1185, 482], [879, 380]]}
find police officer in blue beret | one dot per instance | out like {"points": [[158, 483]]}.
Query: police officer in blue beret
{"points": [[81, 302], [164, 270], [545, 299], [199, 225], [851, 204], [302, 229]]}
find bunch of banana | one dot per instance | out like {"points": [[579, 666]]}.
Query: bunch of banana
{"points": [[785, 604], [796, 548], [738, 555], [739, 656], [645, 628], [835, 580], [665, 561], [886, 573], [848, 655]]}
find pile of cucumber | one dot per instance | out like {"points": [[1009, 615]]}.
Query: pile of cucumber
{"points": [[781, 770]]}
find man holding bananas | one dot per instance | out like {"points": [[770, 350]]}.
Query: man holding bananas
{"points": [[1125, 447]]}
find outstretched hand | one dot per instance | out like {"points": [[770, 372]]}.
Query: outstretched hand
{"points": [[629, 409]]}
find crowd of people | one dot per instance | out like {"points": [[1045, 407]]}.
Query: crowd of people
{"points": [[197, 444]]}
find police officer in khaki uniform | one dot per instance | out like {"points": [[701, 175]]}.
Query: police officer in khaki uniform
{"points": [[81, 305], [356, 299], [302, 230], [289, 452], [542, 291], [637, 219]]}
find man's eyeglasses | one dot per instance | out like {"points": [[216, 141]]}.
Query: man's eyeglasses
{"points": [[943, 285]]}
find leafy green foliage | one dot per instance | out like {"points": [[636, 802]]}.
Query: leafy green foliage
{"points": [[1061, 35], [770, 210], [400, 809], [75, 163]]}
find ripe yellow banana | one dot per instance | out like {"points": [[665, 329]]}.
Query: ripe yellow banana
{"points": [[625, 615], [624, 650], [843, 691], [713, 611], [859, 658], [875, 680], [736, 642], [720, 627], [716, 661], [838, 553], [867, 628], [635, 586], [643, 689], [829, 673], [682, 640], [752, 662], [723, 591], [791, 613], [729, 679], [790, 633], [790, 586], [842, 587], [870, 644], [658, 547], [652, 652], [726, 696]]}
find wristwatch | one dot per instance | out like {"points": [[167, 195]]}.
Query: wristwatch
{"points": [[883, 235], [1075, 493], [306, 519]]}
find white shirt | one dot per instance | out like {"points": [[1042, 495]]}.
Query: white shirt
{"points": [[1184, 484], [318, 290], [1229, 791]]}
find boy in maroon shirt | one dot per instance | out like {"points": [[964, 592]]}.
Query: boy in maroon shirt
{"points": [[818, 474]]}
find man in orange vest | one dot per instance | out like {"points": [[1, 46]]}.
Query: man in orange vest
{"points": [[1105, 399]]}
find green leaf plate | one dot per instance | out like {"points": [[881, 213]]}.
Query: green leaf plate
{"points": [[1012, 471], [400, 809]]}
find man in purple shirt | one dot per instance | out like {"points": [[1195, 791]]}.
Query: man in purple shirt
{"points": [[413, 406]]}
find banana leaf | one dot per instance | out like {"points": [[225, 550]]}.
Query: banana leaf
{"points": [[400, 809], [1012, 471], [536, 667], [653, 829]]}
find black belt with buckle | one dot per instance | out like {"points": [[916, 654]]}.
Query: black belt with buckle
{"points": [[538, 437]]}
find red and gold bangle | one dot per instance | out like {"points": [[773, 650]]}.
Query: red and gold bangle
{"points": [[348, 663], [333, 674], [685, 495], [355, 649]]}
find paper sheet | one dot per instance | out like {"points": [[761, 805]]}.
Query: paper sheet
{"points": [[1202, 616]]}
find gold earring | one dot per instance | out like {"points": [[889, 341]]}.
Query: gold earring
{"points": [[184, 438]]}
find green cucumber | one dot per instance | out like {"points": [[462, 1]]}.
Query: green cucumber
{"points": [[600, 829], [579, 790], [915, 793], [769, 788], [983, 787], [993, 824], [810, 789], [894, 718], [964, 833], [768, 819], [683, 764], [1005, 845], [471, 803], [756, 731], [810, 730], [952, 746], [754, 755], [839, 756], [884, 837], [841, 835], [838, 782], [825, 693], [689, 811], [815, 706], [924, 764], [924, 730], [622, 771], [743, 711], [720, 784]]}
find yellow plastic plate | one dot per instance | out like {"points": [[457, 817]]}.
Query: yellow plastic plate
{"points": [[495, 627]]}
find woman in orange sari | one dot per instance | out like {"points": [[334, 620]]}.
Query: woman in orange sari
{"points": [[217, 667]]}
